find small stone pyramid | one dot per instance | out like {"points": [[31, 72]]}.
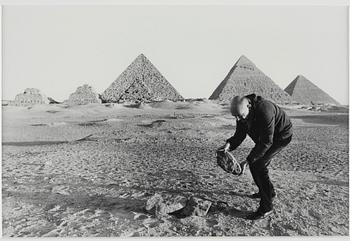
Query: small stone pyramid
{"points": [[245, 78], [141, 81], [29, 97], [83, 95], [303, 91]]}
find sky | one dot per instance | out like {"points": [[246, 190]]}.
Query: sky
{"points": [[58, 48]]}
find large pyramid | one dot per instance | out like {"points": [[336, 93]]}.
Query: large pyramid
{"points": [[303, 91], [141, 81], [245, 78]]}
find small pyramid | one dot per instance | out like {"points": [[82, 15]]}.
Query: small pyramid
{"points": [[303, 91], [29, 97], [82, 96], [245, 78], [141, 81]]}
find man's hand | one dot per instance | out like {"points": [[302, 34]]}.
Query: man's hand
{"points": [[227, 147], [243, 165]]}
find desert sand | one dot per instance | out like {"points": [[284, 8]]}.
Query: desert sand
{"points": [[89, 171]]}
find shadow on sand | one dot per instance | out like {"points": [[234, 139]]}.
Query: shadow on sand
{"points": [[124, 206], [80, 201]]}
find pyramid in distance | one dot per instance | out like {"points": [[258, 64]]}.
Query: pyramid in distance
{"points": [[303, 91], [29, 97], [141, 81], [83, 95], [245, 78]]}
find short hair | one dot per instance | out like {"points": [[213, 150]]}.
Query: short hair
{"points": [[238, 104]]}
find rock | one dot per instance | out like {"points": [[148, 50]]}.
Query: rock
{"points": [[201, 206], [153, 201], [194, 207], [335, 229], [172, 205], [165, 205], [151, 222]]}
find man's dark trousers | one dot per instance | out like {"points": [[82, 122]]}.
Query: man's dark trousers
{"points": [[260, 173]]}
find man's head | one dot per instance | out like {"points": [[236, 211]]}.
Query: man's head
{"points": [[240, 107]]}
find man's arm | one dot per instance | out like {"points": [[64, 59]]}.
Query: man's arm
{"points": [[238, 137], [266, 120]]}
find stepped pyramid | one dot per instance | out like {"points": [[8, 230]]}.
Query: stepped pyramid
{"points": [[83, 95], [303, 91], [245, 78], [29, 97], [141, 81]]}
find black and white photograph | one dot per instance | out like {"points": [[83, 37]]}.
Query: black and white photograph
{"points": [[151, 120]]}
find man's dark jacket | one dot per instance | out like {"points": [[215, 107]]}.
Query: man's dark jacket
{"points": [[266, 123]]}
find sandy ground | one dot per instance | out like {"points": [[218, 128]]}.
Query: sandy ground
{"points": [[98, 186]]}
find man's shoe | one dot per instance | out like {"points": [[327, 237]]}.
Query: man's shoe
{"points": [[259, 214], [257, 195]]}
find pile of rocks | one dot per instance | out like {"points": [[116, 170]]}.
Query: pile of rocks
{"points": [[29, 97], [141, 81], [83, 95], [179, 206], [245, 78]]}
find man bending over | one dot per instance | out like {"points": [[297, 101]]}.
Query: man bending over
{"points": [[271, 130]]}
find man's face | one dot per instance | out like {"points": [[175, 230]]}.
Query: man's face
{"points": [[244, 109]]}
